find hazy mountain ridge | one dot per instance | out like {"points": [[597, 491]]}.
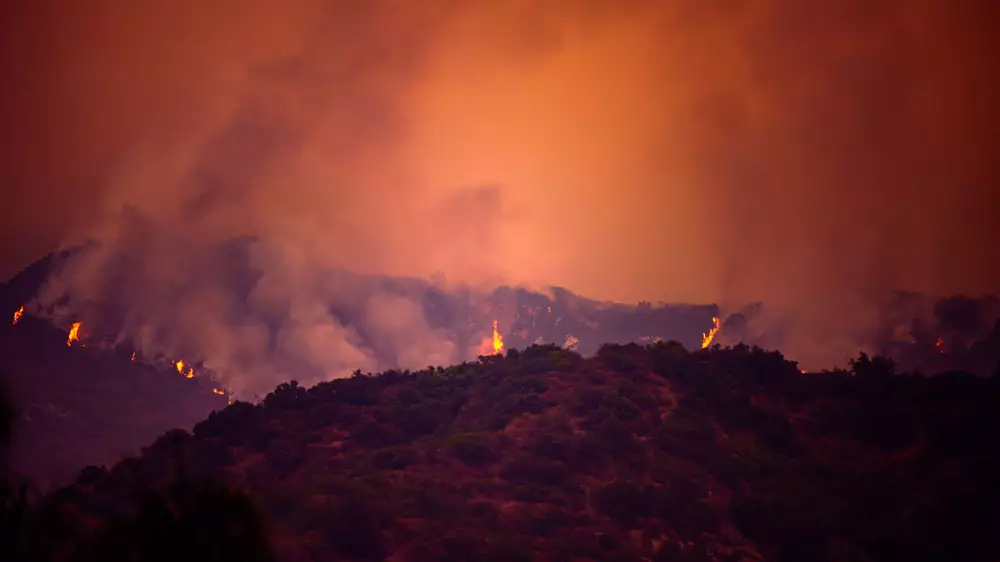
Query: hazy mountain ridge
{"points": [[71, 394]]}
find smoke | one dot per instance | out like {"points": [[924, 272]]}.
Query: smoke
{"points": [[807, 156]]}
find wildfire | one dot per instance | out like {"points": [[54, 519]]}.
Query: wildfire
{"points": [[17, 315], [179, 365], [706, 339], [74, 333], [494, 345], [219, 391], [497, 340], [939, 344]]}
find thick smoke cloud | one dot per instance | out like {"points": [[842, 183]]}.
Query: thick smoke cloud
{"points": [[810, 155]]}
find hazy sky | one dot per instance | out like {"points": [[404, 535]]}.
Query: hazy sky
{"points": [[681, 150]]}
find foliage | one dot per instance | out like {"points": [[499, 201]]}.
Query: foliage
{"points": [[638, 453]]}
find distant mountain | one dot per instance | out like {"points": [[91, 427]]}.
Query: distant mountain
{"points": [[96, 403], [638, 453]]}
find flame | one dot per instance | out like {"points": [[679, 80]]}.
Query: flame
{"points": [[219, 391], [179, 365], [497, 340], [939, 344], [706, 339], [133, 356], [74, 333], [17, 315], [492, 345]]}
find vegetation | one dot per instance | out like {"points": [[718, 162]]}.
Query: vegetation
{"points": [[637, 453]]}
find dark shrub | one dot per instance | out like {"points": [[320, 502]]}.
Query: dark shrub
{"points": [[528, 469], [473, 448], [625, 502], [394, 458]]}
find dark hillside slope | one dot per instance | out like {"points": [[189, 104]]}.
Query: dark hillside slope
{"points": [[638, 453], [78, 406]]}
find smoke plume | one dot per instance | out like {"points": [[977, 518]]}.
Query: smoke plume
{"points": [[808, 155]]}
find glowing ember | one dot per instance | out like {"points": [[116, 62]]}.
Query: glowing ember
{"points": [[133, 356], [219, 392], [706, 339], [74, 333], [939, 344], [17, 315], [190, 373]]}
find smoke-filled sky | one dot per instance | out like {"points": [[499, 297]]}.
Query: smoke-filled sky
{"points": [[796, 152]]}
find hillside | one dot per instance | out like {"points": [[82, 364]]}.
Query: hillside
{"points": [[636, 453], [85, 405]]}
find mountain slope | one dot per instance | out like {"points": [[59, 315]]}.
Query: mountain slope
{"points": [[638, 453], [78, 406]]}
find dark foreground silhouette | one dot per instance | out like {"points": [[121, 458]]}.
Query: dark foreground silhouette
{"points": [[638, 453]]}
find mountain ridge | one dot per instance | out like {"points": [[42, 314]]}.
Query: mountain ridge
{"points": [[636, 453]]}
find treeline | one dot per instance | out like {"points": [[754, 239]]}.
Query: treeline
{"points": [[637, 453]]}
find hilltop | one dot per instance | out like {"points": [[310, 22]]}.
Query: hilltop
{"points": [[636, 453]]}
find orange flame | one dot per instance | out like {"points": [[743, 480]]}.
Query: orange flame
{"points": [[189, 374], [706, 339], [219, 392], [497, 340], [492, 345], [17, 315], [74, 333], [180, 367], [133, 356]]}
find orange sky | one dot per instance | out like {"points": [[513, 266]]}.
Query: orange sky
{"points": [[791, 151]]}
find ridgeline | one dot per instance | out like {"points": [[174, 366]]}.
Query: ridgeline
{"points": [[637, 453]]}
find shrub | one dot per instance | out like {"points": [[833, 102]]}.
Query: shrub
{"points": [[622, 358], [624, 502], [473, 448], [284, 455], [393, 458], [525, 469]]}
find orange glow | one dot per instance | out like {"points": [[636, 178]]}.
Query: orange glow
{"points": [[133, 356], [497, 340], [17, 315], [74, 333], [219, 391], [492, 345], [706, 339], [189, 374], [180, 367], [940, 346]]}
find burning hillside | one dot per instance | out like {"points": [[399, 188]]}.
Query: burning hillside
{"points": [[255, 333], [88, 405], [240, 322], [247, 324]]}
